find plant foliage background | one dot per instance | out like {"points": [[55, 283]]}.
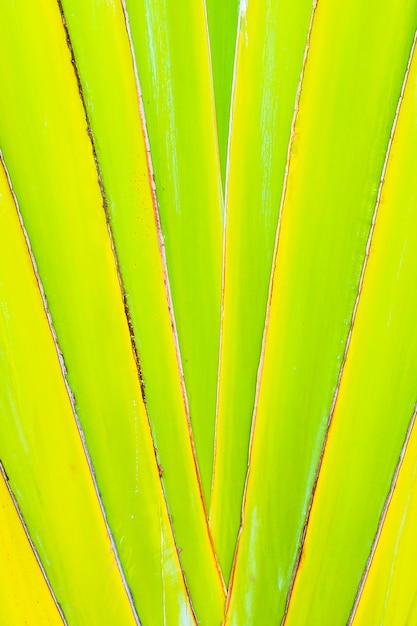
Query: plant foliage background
{"points": [[208, 348]]}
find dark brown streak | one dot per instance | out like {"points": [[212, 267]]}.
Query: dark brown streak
{"points": [[123, 292], [105, 203]]}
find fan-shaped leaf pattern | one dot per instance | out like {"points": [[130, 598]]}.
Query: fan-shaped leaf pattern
{"points": [[207, 338]]}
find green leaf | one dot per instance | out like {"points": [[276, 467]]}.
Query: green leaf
{"points": [[268, 67], [207, 270], [351, 85], [171, 48], [222, 16], [41, 448], [375, 402], [25, 593], [101, 47]]}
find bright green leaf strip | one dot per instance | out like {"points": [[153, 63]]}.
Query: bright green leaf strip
{"points": [[25, 595], [272, 41], [387, 592], [171, 47], [41, 448], [376, 400], [390, 591], [43, 134], [104, 64], [222, 16], [350, 91]]}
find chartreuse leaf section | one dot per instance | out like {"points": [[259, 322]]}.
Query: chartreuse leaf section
{"points": [[48, 152], [389, 593], [270, 52], [103, 60], [25, 595], [43, 455], [222, 17], [373, 410], [171, 47], [352, 81]]}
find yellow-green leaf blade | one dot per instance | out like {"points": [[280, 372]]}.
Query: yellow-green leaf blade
{"points": [[269, 64], [389, 592], [25, 593], [41, 448], [222, 17], [337, 157], [376, 400], [171, 47]]}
